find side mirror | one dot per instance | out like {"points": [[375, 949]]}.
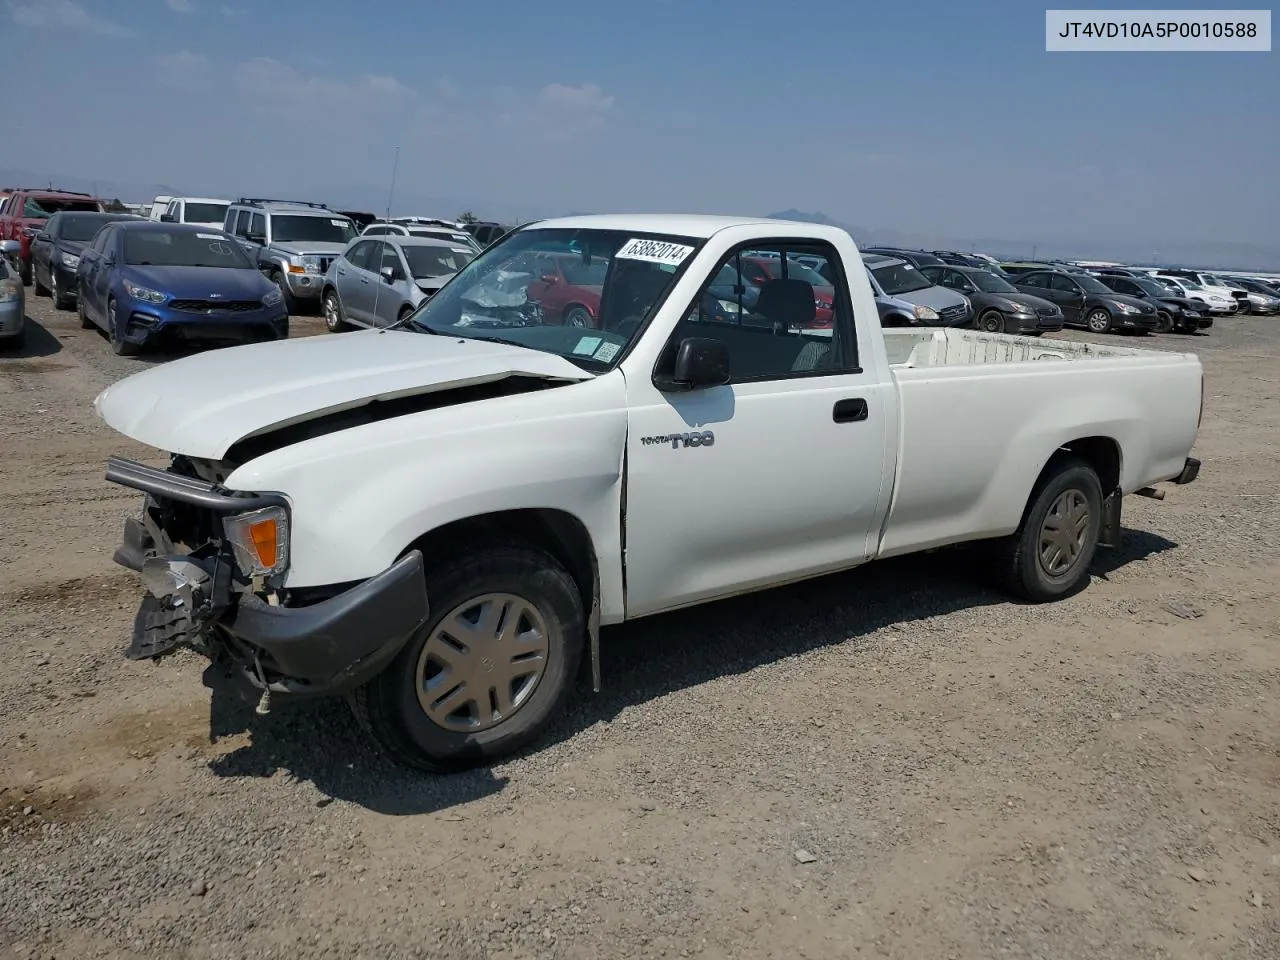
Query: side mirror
{"points": [[550, 278], [701, 362], [43, 237], [168, 218], [390, 274]]}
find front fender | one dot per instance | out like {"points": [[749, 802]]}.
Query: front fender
{"points": [[360, 496]]}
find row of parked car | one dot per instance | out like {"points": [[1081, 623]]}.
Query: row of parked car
{"points": [[209, 269], [234, 271], [1034, 297]]}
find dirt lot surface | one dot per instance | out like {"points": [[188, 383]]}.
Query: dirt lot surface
{"points": [[897, 762]]}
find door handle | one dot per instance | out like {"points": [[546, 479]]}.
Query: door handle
{"points": [[849, 411], [364, 279]]}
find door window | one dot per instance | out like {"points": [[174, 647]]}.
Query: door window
{"points": [[361, 254], [258, 225], [779, 318], [1063, 283], [1035, 280], [391, 260]]}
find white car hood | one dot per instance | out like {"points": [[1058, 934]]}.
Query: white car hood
{"points": [[202, 404]]}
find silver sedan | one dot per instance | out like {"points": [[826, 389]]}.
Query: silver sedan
{"points": [[13, 300], [379, 280]]}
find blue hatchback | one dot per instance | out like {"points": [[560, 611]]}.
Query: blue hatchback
{"points": [[148, 283]]}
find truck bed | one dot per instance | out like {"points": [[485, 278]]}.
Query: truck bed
{"points": [[909, 348]]}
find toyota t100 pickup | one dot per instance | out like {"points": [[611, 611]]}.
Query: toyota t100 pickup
{"points": [[437, 519]]}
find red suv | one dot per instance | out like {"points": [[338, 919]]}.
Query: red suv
{"points": [[25, 211]]}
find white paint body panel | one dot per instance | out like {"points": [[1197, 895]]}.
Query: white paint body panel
{"points": [[201, 404], [960, 424]]}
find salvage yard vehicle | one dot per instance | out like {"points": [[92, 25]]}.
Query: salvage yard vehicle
{"points": [[377, 281], [998, 305], [1087, 302], [437, 520], [146, 283], [56, 250], [24, 212], [13, 300], [293, 242]]}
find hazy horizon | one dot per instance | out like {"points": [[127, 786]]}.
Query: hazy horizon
{"points": [[922, 120]]}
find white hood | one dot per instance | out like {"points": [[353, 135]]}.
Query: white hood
{"points": [[202, 404]]}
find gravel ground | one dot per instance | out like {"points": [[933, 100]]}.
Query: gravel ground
{"points": [[896, 762]]}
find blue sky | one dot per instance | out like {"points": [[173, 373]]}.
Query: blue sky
{"points": [[931, 116]]}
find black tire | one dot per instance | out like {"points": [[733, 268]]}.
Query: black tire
{"points": [[60, 301], [39, 289], [24, 272], [85, 322], [119, 346], [387, 707], [578, 316], [1164, 322], [407, 309], [1019, 564], [335, 321], [1098, 320], [991, 321], [290, 304]]}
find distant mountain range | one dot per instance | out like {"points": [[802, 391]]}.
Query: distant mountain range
{"points": [[1220, 256]]}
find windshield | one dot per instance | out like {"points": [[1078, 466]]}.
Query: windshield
{"points": [[435, 261], [987, 281], [206, 212], [900, 278], [1091, 284], [443, 233], [1184, 282], [80, 229], [293, 228], [181, 248], [503, 294], [1151, 287]]}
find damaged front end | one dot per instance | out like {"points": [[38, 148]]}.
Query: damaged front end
{"points": [[214, 561]]}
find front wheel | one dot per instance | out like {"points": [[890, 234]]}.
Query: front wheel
{"points": [[85, 322], [39, 288], [1049, 556], [119, 345], [1164, 322], [60, 301], [334, 320], [1098, 321], [492, 666], [992, 321], [290, 304]]}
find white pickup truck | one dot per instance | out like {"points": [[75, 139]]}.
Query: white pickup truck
{"points": [[596, 420]]}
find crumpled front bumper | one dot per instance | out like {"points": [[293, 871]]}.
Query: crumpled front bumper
{"points": [[198, 600]]}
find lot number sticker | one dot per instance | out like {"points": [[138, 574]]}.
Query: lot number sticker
{"points": [[654, 251]]}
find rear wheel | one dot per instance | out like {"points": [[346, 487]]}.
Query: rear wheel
{"points": [[578, 317], [25, 272], [992, 321], [1098, 321], [490, 669], [40, 289], [1049, 555]]}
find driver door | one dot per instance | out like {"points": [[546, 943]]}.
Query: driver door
{"points": [[775, 476]]}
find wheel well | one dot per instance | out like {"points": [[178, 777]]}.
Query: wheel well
{"points": [[559, 533], [1101, 453], [405, 311], [576, 306]]}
